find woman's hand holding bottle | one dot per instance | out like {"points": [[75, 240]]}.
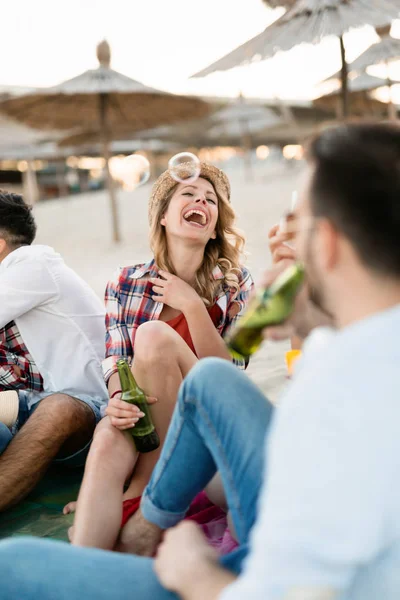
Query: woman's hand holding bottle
{"points": [[123, 415]]}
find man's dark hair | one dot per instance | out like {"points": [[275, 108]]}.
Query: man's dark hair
{"points": [[17, 225], [356, 184]]}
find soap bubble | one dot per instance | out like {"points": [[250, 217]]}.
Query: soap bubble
{"points": [[184, 167], [134, 171]]}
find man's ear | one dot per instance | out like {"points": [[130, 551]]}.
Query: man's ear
{"points": [[328, 245], [3, 246]]}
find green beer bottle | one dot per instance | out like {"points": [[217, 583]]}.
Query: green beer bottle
{"points": [[144, 434], [271, 306]]}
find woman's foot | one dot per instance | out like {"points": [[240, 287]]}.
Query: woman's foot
{"points": [[69, 508], [139, 536], [71, 533]]}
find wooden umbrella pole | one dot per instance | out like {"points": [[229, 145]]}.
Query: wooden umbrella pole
{"points": [[106, 155], [246, 143], [345, 80], [392, 110]]}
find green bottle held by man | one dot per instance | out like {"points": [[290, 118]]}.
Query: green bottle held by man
{"points": [[271, 306], [144, 434]]}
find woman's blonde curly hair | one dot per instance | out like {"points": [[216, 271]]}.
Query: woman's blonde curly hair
{"points": [[224, 251]]}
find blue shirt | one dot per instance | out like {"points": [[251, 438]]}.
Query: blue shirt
{"points": [[329, 514]]}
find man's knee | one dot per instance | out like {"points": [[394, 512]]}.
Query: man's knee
{"points": [[208, 380], [63, 408], [213, 371], [153, 340]]}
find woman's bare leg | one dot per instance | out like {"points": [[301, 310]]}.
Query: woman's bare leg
{"points": [[215, 492], [162, 360], [110, 462]]}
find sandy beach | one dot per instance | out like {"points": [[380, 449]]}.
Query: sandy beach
{"points": [[79, 228]]}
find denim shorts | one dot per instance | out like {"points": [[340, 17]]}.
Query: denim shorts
{"points": [[29, 401]]}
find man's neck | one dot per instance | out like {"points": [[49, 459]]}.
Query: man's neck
{"points": [[7, 250], [186, 259], [364, 296]]}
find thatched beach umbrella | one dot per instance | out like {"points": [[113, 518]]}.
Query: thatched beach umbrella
{"points": [[279, 3], [361, 101], [105, 100], [383, 52], [239, 119], [309, 21], [239, 122], [196, 133], [230, 122]]}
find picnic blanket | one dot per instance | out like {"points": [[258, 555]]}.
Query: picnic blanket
{"points": [[40, 515]]}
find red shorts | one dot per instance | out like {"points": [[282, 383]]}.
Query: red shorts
{"points": [[129, 507], [201, 510]]}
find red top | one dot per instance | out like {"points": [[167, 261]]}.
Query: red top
{"points": [[179, 324]]}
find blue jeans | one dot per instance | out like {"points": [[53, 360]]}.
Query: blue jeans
{"points": [[219, 424], [28, 402], [5, 437]]}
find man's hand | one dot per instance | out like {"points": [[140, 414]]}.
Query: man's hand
{"points": [[173, 291], [183, 557], [278, 245], [124, 415]]}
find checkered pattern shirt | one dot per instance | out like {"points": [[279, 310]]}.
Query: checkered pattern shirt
{"points": [[129, 304], [14, 352]]}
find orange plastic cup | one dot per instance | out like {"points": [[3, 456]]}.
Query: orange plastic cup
{"points": [[291, 357]]}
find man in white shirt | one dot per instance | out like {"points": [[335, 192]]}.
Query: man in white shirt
{"points": [[58, 323], [327, 515]]}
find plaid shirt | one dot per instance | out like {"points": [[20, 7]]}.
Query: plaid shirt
{"points": [[14, 352], [129, 304]]}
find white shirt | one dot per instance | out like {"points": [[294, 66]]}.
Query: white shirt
{"points": [[329, 513], [59, 317]]}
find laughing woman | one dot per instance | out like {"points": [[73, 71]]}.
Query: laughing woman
{"points": [[162, 317]]}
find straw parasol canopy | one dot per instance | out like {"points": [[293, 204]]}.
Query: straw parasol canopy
{"points": [[386, 50], [240, 120], [361, 101], [279, 3], [104, 100], [383, 52], [228, 124], [309, 21], [264, 116], [16, 135]]}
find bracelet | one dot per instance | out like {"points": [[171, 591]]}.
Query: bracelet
{"points": [[115, 393]]}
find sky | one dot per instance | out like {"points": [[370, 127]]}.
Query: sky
{"points": [[161, 43]]}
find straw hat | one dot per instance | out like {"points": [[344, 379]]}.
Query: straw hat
{"points": [[165, 183], [9, 406]]}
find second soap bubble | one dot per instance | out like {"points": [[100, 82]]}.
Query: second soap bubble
{"points": [[135, 171], [184, 167]]}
